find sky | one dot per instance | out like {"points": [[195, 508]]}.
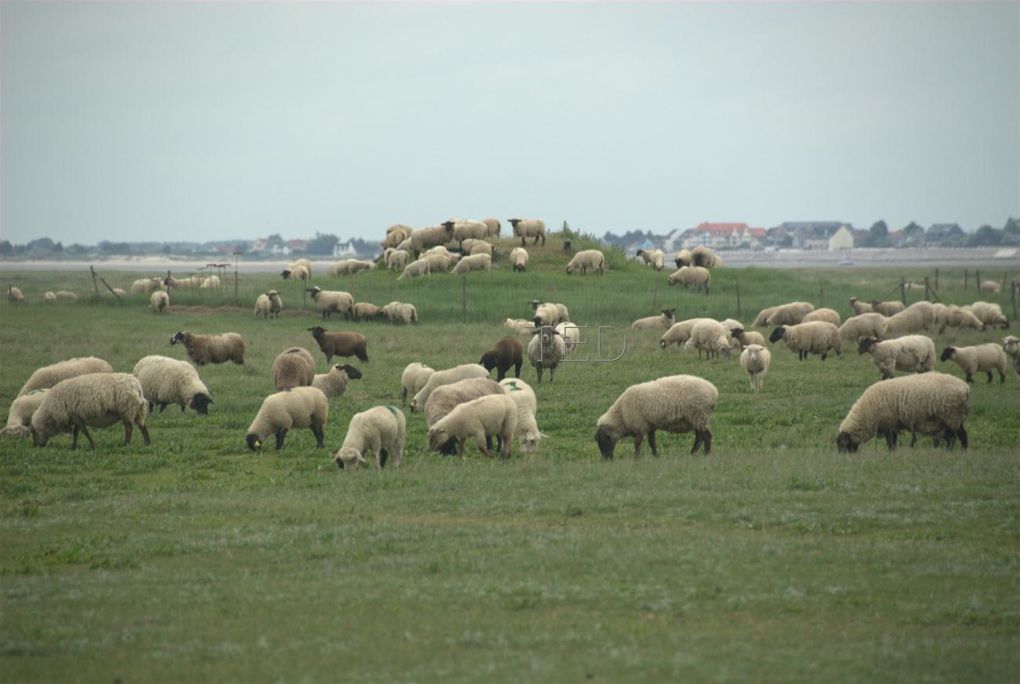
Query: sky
{"points": [[203, 121]]}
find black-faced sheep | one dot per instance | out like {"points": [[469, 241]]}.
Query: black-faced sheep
{"points": [[168, 381], [330, 302], [911, 353], [981, 358], [334, 382], [525, 228], [268, 304], [294, 408], [817, 337], [663, 321], [507, 352], [377, 433], [545, 351]]}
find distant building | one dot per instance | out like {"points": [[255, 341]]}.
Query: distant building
{"points": [[723, 236], [827, 235], [944, 235], [345, 250]]}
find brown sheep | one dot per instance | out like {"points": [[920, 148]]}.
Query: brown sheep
{"points": [[507, 352], [340, 343]]}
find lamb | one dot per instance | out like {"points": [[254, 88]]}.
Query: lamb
{"points": [[480, 418], [507, 352], [294, 408], [679, 333], [396, 234], [863, 325], [689, 276], [860, 307], [981, 358], [445, 377], [340, 343], [519, 259], [709, 336], [585, 259], [705, 257], [364, 311], [789, 314], [465, 229], [755, 359], [203, 349], [440, 262], [334, 383], [732, 324], [675, 403], [14, 294], [525, 228], [664, 321], [989, 313], [48, 376], [911, 353], [415, 269], [1011, 345], [990, 287], [293, 367], [890, 308], [546, 349], [49, 297], [120, 292], [570, 333], [519, 325], [146, 285], [378, 433], [413, 378], [400, 313], [827, 315], [682, 258], [653, 257], [268, 304], [92, 400], [444, 399], [816, 337], [423, 238], [168, 381], [528, 435], [349, 267], [480, 248], [159, 302], [397, 260], [475, 262], [210, 282], [549, 313], [19, 419], [66, 296], [763, 316], [957, 317], [931, 403], [330, 302], [747, 337]]}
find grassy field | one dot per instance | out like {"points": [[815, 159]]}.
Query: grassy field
{"points": [[774, 558]]}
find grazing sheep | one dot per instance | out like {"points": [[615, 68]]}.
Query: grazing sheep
{"points": [[294, 408], [334, 383], [957, 317], [1011, 345], [203, 349], [19, 419], [732, 324], [159, 302], [679, 333], [981, 358], [66, 296], [396, 234], [519, 259], [763, 316], [507, 352], [918, 317], [863, 325], [397, 260], [755, 359], [187, 283], [525, 228], [293, 367], [585, 259], [378, 433], [49, 297], [146, 285], [570, 333], [168, 381], [480, 248], [469, 244], [682, 258], [440, 262], [413, 378], [118, 291], [931, 403], [860, 307], [301, 269], [709, 336], [705, 257], [689, 276], [546, 349], [663, 321], [330, 302], [519, 325], [465, 229], [491, 415], [528, 435], [827, 315], [747, 337], [676, 403], [653, 257], [444, 398], [890, 308], [268, 304], [447, 376], [816, 337], [990, 287], [493, 227], [400, 313], [210, 282], [340, 343], [415, 269], [423, 238], [92, 400], [910, 353], [348, 267], [475, 262], [789, 314], [365, 311], [549, 313], [14, 294], [48, 376], [989, 313]]}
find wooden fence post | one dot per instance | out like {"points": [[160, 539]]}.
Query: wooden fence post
{"points": [[977, 280], [821, 295], [112, 291], [738, 298], [1014, 286], [95, 285], [903, 290], [964, 279], [927, 289], [938, 280], [235, 279]]}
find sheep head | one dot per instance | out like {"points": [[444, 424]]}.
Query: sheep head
{"points": [[845, 443], [200, 402], [948, 353], [777, 334], [865, 345], [253, 441], [605, 441], [352, 372], [179, 336], [437, 438], [349, 458], [317, 332]]}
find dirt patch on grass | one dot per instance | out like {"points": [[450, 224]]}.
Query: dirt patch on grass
{"points": [[201, 310]]}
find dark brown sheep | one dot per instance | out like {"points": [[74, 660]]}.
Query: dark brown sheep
{"points": [[507, 352], [340, 343]]}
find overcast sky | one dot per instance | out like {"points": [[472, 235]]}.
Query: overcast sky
{"points": [[198, 121]]}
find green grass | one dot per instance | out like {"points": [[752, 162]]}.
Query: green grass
{"points": [[774, 558]]}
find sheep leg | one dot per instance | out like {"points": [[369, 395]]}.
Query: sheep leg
{"points": [[517, 370], [488, 442], [890, 439], [162, 407], [824, 355], [637, 444], [538, 369], [970, 378], [651, 443], [1002, 377], [74, 437], [480, 439], [319, 436], [403, 397], [128, 431], [145, 432], [961, 433], [501, 373], [552, 374], [397, 455], [383, 457], [989, 374], [280, 434], [85, 431], [507, 448]]}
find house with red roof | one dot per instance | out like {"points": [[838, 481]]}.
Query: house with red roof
{"points": [[723, 236]]}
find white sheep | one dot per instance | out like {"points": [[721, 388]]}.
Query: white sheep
{"points": [[980, 358], [168, 381], [957, 317], [397, 260], [746, 338], [653, 257], [763, 316], [930, 403], [525, 228], [676, 403], [910, 353], [520, 326], [990, 287], [789, 314], [444, 398], [528, 435], [330, 302], [14, 294], [918, 317], [815, 337], [664, 321], [545, 350], [570, 333], [519, 259], [48, 376], [493, 226], [698, 277], [1011, 345], [401, 313], [473, 246], [682, 258], [334, 383], [293, 367], [989, 313], [19, 418], [475, 262], [549, 313], [756, 359], [66, 296], [92, 400], [415, 269], [827, 315], [732, 325], [423, 238], [349, 267], [587, 259], [396, 234], [440, 262], [705, 257], [446, 377], [889, 308], [298, 270], [491, 415], [464, 229], [49, 297], [210, 282], [366, 311], [711, 337], [378, 433], [294, 408], [859, 307], [268, 304], [159, 302], [680, 332], [413, 378], [146, 285], [203, 349], [863, 325]]}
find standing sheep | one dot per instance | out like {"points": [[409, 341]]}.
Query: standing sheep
{"points": [[48, 376], [696, 276], [294, 408], [19, 419], [859, 307], [789, 314], [493, 227], [918, 317], [340, 343], [932, 403], [887, 309], [397, 260], [679, 333], [14, 294], [1011, 345], [400, 313], [334, 383], [981, 358], [146, 285], [756, 359], [990, 287], [298, 270], [525, 228], [546, 350], [475, 262], [413, 378], [49, 297], [585, 259], [507, 352], [664, 321], [330, 302], [652, 257], [957, 317], [447, 397], [711, 337], [863, 325], [682, 258], [549, 313], [92, 400], [519, 259], [989, 313], [423, 238], [168, 381], [676, 403], [268, 304], [491, 415], [911, 353], [705, 257], [66, 296], [528, 435], [827, 315], [159, 301], [293, 367], [379, 433], [203, 349], [817, 337], [447, 376], [570, 333], [415, 269], [747, 337], [465, 229]]}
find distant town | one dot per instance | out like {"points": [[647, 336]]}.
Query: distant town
{"points": [[830, 236]]}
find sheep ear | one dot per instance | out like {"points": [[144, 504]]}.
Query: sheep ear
{"points": [[542, 435]]}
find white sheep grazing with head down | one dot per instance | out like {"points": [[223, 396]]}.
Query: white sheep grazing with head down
{"points": [[697, 276], [519, 259], [268, 304], [756, 359], [378, 433], [491, 415], [587, 259], [816, 337], [929, 403], [203, 349], [957, 317], [91, 400], [159, 302], [827, 315], [859, 307], [989, 313], [664, 321], [1011, 345], [19, 419], [446, 377], [168, 381], [863, 325], [653, 257], [711, 337], [48, 376], [789, 314], [400, 313], [444, 399], [413, 378], [294, 408], [293, 367], [528, 435], [475, 262], [416, 268], [680, 332], [763, 316], [918, 317], [545, 350], [981, 358], [911, 353], [676, 403]]}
